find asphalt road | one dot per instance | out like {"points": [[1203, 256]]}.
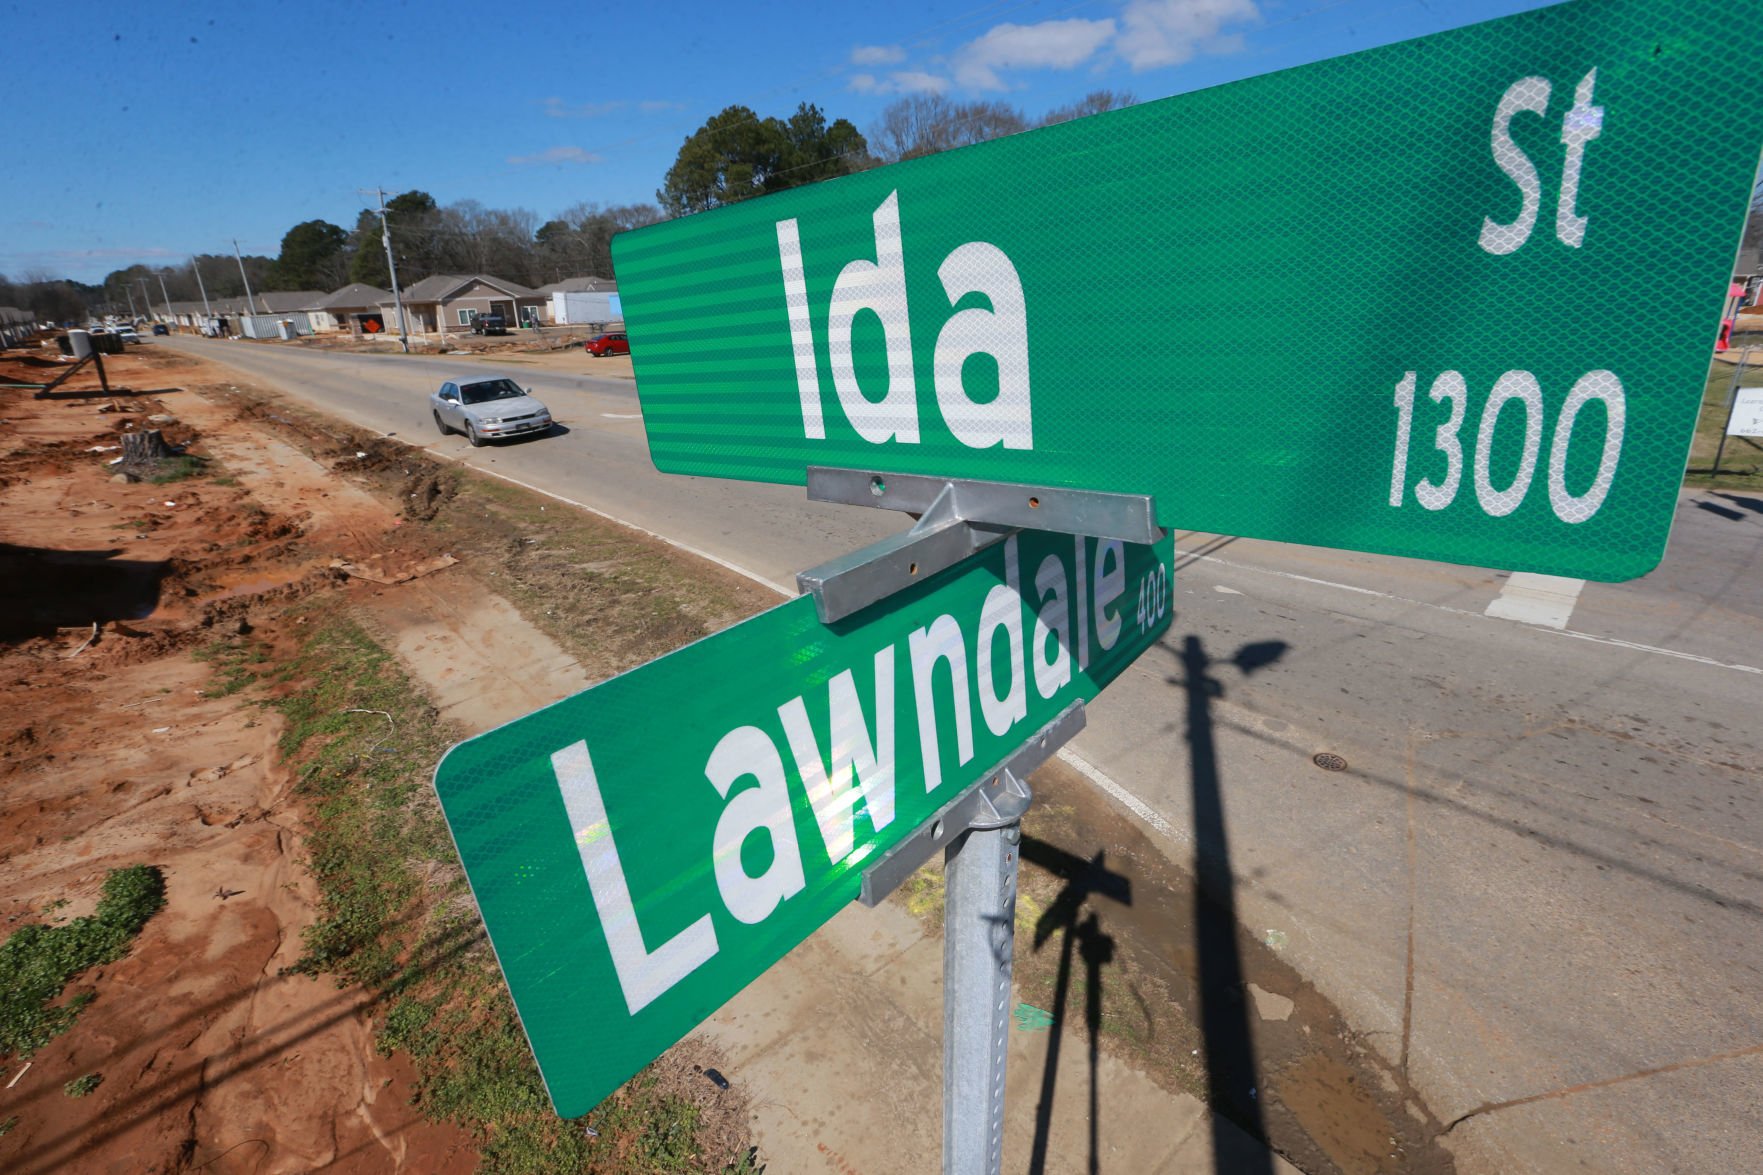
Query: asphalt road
{"points": [[1536, 888]]}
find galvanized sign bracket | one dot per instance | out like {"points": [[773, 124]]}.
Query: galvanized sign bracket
{"points": [[980, 831], [956, 518], [998, 798]]}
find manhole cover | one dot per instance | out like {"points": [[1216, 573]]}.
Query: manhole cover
{"points": [[1329, 761]]}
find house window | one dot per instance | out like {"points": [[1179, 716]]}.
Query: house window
{"points": [[465, 316]]}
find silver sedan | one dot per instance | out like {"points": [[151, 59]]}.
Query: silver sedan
{"points": [[487, 410]]}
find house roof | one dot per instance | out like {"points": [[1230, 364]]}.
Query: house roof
{"points": [[355, 294], [437, 287], [282, 301], [216, 305], [581, 285], [430, 288]]}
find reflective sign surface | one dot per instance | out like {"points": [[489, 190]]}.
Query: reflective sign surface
{"points": [[1452, 298], [643, 850]]}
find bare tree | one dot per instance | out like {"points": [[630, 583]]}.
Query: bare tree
{"points": [[1094, 102], [924, 124], [578, 243]]}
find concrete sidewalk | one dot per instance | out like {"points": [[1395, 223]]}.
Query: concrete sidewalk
{"points": [[840, 1048]]}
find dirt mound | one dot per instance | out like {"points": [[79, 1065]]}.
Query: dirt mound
{"points": [[426, 491], [128, 612]]}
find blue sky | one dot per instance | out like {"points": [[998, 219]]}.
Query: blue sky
{"points": [[145, 133]]}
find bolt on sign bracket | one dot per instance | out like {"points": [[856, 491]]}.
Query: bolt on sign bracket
{"points": [[956, 518], [996, 800]]}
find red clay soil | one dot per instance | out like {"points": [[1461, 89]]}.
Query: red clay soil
{"points": [[112, 753]]}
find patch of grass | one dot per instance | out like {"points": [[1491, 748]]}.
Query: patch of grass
{"points": [[37, 962], [395, 919], [6, 1126], [1741, 463], [179, 468], [81, 1086], [236, 665], [612, 598], [373, 815], [924, 895]]}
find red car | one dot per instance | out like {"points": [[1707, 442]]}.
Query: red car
{"points": [[608, 344]]}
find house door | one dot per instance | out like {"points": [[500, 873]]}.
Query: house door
{"points": [[505, 309]]}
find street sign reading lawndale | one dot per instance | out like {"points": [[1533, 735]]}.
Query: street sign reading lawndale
{"points": [[643, 850], [1452, 298]]}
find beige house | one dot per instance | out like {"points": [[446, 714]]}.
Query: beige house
{"points": [[354, 308], [448, 303]]}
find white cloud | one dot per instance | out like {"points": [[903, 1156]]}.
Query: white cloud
{"points": [[877, 55], [913, 82], [1051, 44], [1157, 33], [558, 108], [557, 155], [900, 82]]}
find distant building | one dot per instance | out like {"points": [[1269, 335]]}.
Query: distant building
{"points": [[583, 300], [15, 325], [354, 308], [448, 303]]}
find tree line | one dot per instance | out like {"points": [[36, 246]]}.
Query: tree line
{"points": [[736, 155]]}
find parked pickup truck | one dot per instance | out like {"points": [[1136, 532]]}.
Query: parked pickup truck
{"points": [[489, 324]]}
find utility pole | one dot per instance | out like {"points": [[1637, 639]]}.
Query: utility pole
{"points": [[146, 298], [131, 297], [167, 297], [242, 276], [392, 269], [200, 285]]}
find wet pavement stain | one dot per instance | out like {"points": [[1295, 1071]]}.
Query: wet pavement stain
{"points": [[1322, 1098]]}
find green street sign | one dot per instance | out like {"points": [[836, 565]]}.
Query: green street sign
{"points": [[643, 850], [1452, 298]]}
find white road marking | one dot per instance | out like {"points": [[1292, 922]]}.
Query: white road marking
{"points": [[621, 415], [1229, 591], [1578, 636], [1133, 804], [1529, 598]]}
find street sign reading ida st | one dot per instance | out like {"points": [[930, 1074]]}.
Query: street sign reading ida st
{"points": [[1451, 298], [643, 850]]}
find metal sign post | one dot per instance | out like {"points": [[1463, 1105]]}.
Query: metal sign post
{"points": [[980, 837]]}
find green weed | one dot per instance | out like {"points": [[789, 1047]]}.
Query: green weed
{"points": [[81, 1086], [179, 468], [924, 894], [375, 836], [37, 962], [236, 665]]}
